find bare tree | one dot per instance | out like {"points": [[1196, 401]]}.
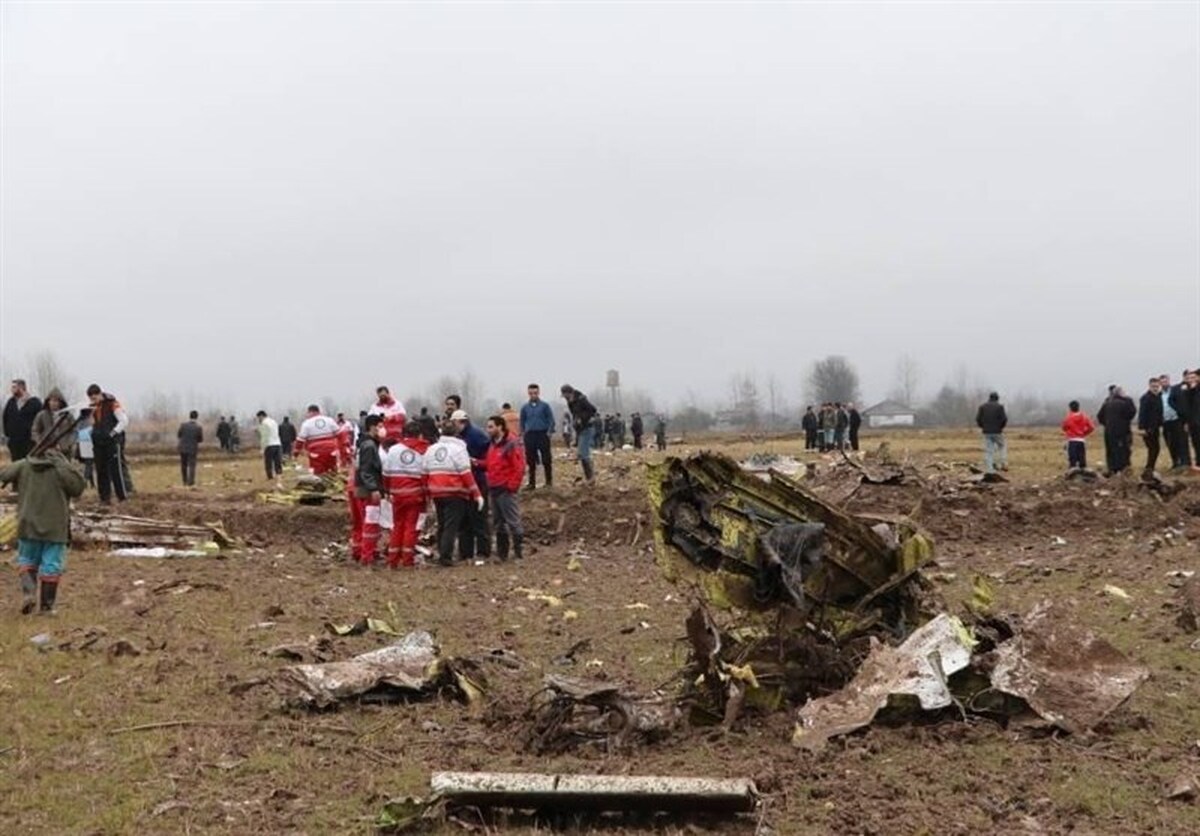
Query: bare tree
{"points": [[158, 406], [465, 385], [833, 379], [746, 406], [907, 380], [46, 373], [774, 401]]}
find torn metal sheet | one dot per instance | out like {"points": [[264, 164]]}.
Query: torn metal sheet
{"points": [[1069, 676], [595, 793], [920, 668], [411, 667]]}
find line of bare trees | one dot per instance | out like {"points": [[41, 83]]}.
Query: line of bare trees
{"points": [[749, 405]]}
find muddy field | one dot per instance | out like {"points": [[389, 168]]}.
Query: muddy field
{"points": [[150, 708]]}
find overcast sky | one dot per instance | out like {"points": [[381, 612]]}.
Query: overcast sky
{"points": [[268, 203]]}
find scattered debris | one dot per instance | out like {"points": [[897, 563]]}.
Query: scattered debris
{"points": [[831, 611], [1116, 592], [160, 552], [595, 792], [763, 463], [1072, 678], [412, 667], [309, 490], [539, 595], [568, 712], [1188, 601], [1182, 788], [920, 668], [311, 651], [117, 531]]}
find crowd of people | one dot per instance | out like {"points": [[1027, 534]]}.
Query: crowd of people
{"points": [[399, 468], [1166, 415], [833, 426]]}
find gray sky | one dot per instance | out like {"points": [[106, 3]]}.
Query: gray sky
{"points": [[272, 202]]}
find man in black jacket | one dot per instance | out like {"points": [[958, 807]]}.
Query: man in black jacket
{"points": [[287, 436], [1116, 416], [108, 442], [855, 423], [991, 420], [1150, 421], [190, 436], [19, 415], [809, 424], [368, 492], [582, 415], [1185, 398]]}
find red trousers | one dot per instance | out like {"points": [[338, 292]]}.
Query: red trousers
{"points": [[322, 461], [364, 528], [402, 549]]}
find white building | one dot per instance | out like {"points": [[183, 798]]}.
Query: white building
{"points": [[890, 414]]}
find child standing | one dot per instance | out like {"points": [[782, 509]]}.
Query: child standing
{"points": [[84, 451], [1077, 427], [45, 484]]}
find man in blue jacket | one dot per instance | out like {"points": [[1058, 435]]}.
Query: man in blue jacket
{"points": [[537, 424], [476, 538]]}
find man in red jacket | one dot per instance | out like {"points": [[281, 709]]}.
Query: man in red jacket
{"points": [[505, 465]]}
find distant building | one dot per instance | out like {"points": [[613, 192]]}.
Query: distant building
{"points": [[890, 414]]}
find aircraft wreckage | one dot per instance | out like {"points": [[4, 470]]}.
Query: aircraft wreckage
{"points": [[830, 613]]}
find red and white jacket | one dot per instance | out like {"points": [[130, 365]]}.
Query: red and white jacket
{"points": [[317, 435], [393, 417], [404, 471], [448, 469]]}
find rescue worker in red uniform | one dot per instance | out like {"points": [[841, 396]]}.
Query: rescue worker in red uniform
{"points": [[347, 443], [368, 491], [393, 415], [318, 438], [406, 483]]}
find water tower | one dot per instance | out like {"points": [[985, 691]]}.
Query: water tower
{"points": [[613, 382]]}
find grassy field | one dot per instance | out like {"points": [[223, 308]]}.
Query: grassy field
{"points": [[133, 721]]}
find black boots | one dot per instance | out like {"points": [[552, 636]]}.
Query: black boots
{"points": [[49, 593], [588, 472], [503, 543], [28, 592]]}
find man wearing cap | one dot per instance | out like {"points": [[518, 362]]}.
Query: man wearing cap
{"points": [[582, 415], [476, 538]]}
